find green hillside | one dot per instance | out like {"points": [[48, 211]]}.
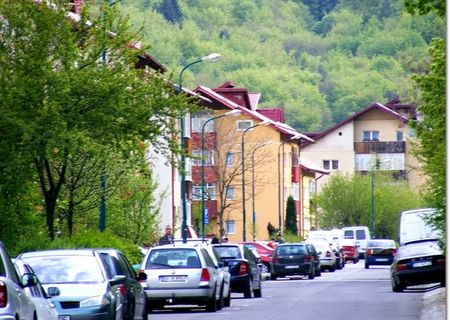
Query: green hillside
{"points": [[320, 60]]}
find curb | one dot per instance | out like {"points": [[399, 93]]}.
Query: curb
{"points": [[434, 305]]}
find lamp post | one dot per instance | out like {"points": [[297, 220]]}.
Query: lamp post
{"points": [[234, 112], [209, 58], [297, 136], [253, 188], [373, 213], [244, 218]]}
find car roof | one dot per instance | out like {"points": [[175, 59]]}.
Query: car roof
{"points": [[58, 252]]}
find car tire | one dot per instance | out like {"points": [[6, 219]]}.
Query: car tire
{"points": [[220, 302], [318, 272], [311, 275], [332, 269], [397, 287], [257, 293], [211, 305], [443, 283], [366, 265], [248, 291], [273, 276], [227, 299], [355, 261]]}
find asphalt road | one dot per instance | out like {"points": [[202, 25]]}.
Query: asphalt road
{"points": [[353, 293]]}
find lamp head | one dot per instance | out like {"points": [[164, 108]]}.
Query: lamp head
{"points": [[213, 57]]}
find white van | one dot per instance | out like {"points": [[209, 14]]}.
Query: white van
{"points": [[360, 234], [413, 226]]}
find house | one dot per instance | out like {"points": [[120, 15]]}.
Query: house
{"points": [[377, 137]]}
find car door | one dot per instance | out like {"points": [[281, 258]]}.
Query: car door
{"points": [[254, 268]]}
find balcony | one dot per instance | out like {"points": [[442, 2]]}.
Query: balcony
{"points": [[380, 147]]}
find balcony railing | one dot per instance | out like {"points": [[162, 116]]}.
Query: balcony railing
{"points": [[380, 147]]}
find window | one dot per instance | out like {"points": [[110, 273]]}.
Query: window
{"points": [[244, 124], [371, 135], [296, 191], [387, 161], [229, 159], [199, 121], [208, 161], [230, 193], [331, 164], [399, 135], [230, 226], [210, 192]]}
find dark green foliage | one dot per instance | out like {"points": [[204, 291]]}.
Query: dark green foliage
{"points": [[271, 230], [319, 8], [291, 216], [171, 11], [424, 6]]}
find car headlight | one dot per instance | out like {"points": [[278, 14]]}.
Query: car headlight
{"points": [[93, 301]]}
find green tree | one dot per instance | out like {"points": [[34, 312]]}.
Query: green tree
{"points": [[291, 216], [60, 88]]}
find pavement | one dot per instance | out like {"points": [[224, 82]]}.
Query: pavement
{"points": [[434, 304]]}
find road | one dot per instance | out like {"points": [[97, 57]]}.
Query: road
{"points": [[353, 293]]}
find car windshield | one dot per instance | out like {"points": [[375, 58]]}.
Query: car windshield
{"points": [[381, 244], [291, 250], [66, 269], [230, 252], [173, 258]]}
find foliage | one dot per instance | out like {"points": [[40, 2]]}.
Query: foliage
{"points": [[291, 237], [291, 216], [346, 201]]}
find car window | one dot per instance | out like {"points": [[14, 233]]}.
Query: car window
{"points": [[112, 265], [209, 261], [291, 250], [348, 234], [249, 255], [174, 258], [230, 252], [360, 234], [126, 264]]}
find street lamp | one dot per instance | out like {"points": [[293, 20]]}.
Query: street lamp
{"points": [[209, 58], [234, 112], [265, 122], [294, 137], [253, 188], [375, 166]]}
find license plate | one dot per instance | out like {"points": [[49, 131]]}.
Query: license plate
{"points": [[381, 259], [291, 267], [421, 264], [63, 317], [172, 278]]}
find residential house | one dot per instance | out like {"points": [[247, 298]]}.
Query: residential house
{"points": [[377, 137]]}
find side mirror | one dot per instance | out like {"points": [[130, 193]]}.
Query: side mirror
{"points": [[53, 292], [117, 280], [220, 264], [28, 280]]}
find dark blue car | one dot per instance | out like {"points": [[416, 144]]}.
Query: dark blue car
{"points": [[379, 252]]}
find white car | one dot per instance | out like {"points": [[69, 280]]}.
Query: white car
{"points": [[44, 307], [326, 255], [14, 302]]}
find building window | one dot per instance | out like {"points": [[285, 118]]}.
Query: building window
{"points": [[387, 161], [230, 226], [210, 192], [230, 193], [296, 191], [331, 164], [199, 121], [244, 124], [208, 160], [371, 135], [399, 135], [229, 159]]}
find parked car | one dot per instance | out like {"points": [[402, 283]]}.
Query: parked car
{"points": [[45, 309], [316, 257], [416, 264], [326, 254], [224, 275], [78, 282], [331, 237], [360, 234], [14, 302], [350, 249], [379, 252], [292, 259], [133, 298], [265, 253], [181, 273], [244, 269]]}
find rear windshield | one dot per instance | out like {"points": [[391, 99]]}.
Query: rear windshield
{"points": [[228, 252], [348, 234], [173, 258], [291, 250], [380, 244]]}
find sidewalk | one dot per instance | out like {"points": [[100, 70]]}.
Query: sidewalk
{"points": [[434, 305]]}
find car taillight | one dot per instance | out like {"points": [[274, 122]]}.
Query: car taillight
{"points": [[205, 275], [243, 268], [122, 289], [440, 262], [368, 252], [401, 267], [308, 258], [3, 295]]}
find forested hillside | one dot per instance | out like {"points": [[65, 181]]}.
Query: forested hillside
{"points": [[320, 60]]}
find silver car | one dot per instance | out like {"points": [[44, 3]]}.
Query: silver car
{"points": [[326, 254], [14, 302], [181, 274]]}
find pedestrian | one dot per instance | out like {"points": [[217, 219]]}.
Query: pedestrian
{"points": [[215, 240], [280, 238], [167, 238]]}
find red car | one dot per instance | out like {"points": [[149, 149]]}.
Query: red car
{"points": [[350, 250], [264, 251]]}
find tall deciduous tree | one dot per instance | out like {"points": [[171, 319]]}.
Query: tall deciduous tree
{"points": [[66, 82]]}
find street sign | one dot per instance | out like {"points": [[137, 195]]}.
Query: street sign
{"points": [[206, 216]]}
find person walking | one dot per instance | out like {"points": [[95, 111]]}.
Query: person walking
{"points": [[167, 238]]}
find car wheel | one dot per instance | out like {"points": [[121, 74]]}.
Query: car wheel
{"points": [[265, 268], [443, 283], [318, 272], [355, 261], [397, 287], [311, 275], [211, 305], [248, 291], [220, 301], [366, 265], [273, 276], [332, 269], [227, 300], [258, 292]]}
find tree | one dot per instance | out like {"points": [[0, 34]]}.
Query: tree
{"points": [[65, 83], [291, 216], [346, 201]]}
